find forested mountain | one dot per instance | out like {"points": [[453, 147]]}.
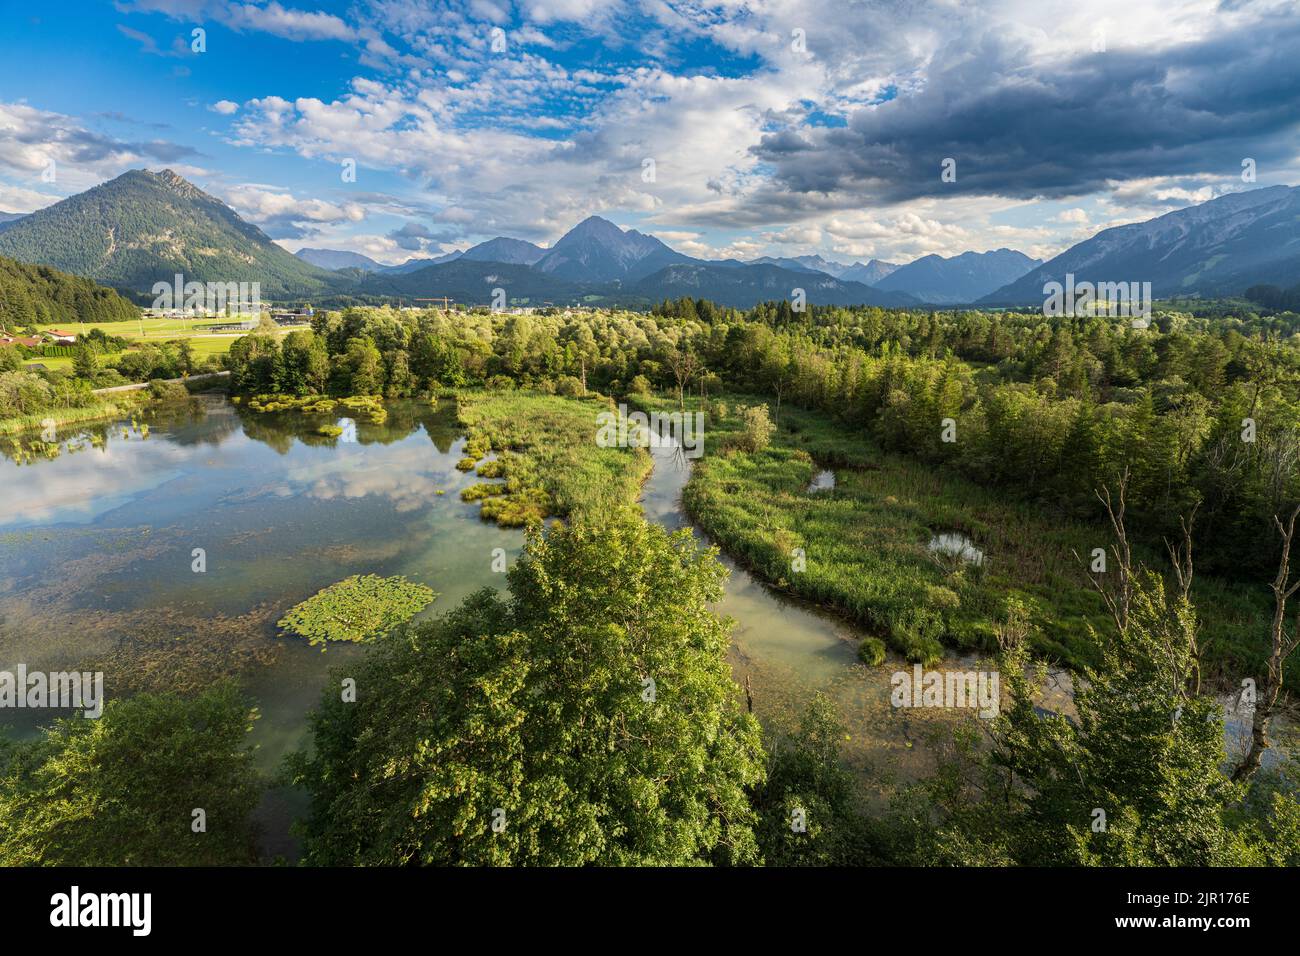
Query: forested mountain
{"points": [[9, 218], [334, 259], [472, 283], [145, 227], [36, 295], [410, 265], [743, 287], [1220, 247], [501, 249], [960, 279]]}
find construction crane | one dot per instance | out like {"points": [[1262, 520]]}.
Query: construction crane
{"points": [[446, 302]]}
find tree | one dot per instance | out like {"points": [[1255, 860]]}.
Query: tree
{"points": [[122, 790], [807, 804], [1137, 779], [1281, 647], [364, 366], [685, 365], [589, 718], [84, 364]]}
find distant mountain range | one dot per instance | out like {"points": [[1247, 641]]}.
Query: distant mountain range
{"points": [[960, 279], [868, 273], [1220, 247], [145, 227], [335, 259]]}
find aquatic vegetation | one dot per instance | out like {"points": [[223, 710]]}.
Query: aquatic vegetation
{"points": [[872, 651], [358, 608], [547, 456]]}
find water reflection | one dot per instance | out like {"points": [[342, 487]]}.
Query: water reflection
{"points": [[96, 544]]}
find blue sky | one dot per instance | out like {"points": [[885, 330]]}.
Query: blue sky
{"points": [[775, 127]]}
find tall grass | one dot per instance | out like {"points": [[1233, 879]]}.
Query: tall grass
{"points": [[546, 452]]}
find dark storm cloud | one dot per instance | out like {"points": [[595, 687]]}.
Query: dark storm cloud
{"points": [[1061, 129]]}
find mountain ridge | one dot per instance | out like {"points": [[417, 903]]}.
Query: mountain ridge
{"points": [[1218, 247]]}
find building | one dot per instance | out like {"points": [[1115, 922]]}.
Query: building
{"points": [[30, 342], [62, 338]]}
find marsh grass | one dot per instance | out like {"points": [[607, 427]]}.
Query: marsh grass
{"points": [[547, 457], [866, 555]]}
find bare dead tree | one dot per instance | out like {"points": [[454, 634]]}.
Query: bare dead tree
{"points": [[1180, 556], [1178, 622], [685, 366], [1283, 645], [1119, 599]]}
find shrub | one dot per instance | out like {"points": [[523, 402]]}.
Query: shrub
{"points": [[758, 429], [916, 632], [569, 387], [872, 651]]}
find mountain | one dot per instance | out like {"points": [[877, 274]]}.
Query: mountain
{"points": [[501, 249], [411, 265], [868, 273], [803, 264], [741, 288], [596, 250], [1220, 247], [9, 218], [959, 280], [334, 259], [32, 295], [145, 227], [472, 283]]}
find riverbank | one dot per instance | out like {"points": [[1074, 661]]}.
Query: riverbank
{"points": [[120, 404], [108, 403]]}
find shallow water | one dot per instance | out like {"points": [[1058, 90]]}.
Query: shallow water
{"points": [[97, 547], [789, 651]]}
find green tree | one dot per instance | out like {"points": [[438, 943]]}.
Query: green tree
{"points": [[122, 790], [589, 718], [364, 367], [84, 364]]}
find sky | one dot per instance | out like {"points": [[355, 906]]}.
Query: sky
{"points": [[738, 128]]}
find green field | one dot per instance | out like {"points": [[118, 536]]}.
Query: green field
{"points": [[145, 329], [154, 331]]}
